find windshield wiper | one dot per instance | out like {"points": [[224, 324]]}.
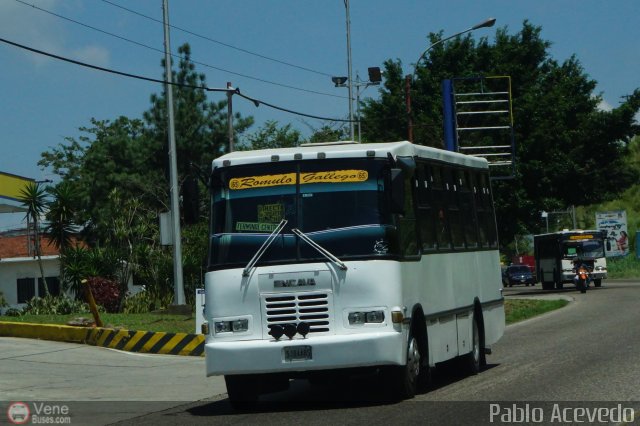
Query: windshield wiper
{"points": [[320, 249], [263, 248]]}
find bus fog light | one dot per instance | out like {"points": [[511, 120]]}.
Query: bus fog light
{"points": [[222, 327], [397, 317], [235, 326], [375, 316], [356, 318], [240, 325]]}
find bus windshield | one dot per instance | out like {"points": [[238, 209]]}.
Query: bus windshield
{"points": [[590, 248], [339, 204]]}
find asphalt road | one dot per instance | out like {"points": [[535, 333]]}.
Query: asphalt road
{"points": [[582, 357]]}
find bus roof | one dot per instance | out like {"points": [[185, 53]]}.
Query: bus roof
{"points": [[347, 149]]}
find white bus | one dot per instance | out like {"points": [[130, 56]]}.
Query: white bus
{"points": [[330, 258], [556, 252]]}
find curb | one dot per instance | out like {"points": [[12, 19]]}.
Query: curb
{"points": [[125, 340]]}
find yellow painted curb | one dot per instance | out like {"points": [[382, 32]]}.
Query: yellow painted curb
{"points": [[128, 340]]}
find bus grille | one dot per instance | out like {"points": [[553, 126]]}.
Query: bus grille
{"points": [[293, 308]]}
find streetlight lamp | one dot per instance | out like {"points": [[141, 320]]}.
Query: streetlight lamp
{"points": [[409, 78], [375, 77], [374, 80]]}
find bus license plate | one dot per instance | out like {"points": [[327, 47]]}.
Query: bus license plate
{"points": [[297, 353]]}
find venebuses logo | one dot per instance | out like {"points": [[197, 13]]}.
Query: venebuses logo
{"points": [[18, 413]]}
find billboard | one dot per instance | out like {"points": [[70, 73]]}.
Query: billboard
{"points": [[614, 224]]}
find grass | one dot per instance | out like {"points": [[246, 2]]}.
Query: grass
{"points": [[138, 322], [624, 267], [520, 309], [515, 310]]}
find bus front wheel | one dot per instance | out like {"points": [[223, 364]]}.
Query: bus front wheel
{"points": [[405, 380]]}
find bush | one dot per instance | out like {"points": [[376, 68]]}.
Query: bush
{"points": [[624, 267], [106, 293], [13, 312], [54, 305], [3, 301], [145, 301]]}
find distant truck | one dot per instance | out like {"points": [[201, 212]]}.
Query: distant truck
{"points": [[525, 259], [555, 254]]}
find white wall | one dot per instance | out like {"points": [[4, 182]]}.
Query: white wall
{"points": [[27, 267], [24, 267]]}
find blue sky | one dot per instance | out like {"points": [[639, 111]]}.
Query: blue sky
{"points": [[45, 100]]}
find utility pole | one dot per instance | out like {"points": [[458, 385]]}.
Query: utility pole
{"points": [[230, 115], [178, 287], [349, 79]]}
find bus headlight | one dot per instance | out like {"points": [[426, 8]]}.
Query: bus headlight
{"points": [[358, 318], [233, 326]]}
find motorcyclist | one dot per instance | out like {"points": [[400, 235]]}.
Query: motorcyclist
{"points": [[580, 266]]}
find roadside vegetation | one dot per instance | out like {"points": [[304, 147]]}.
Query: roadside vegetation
{"points": [[521, 309], [515, 310], [137, 322], [624, 267]]}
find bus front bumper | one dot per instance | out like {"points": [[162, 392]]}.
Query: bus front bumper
{"points": [[321, 353]]}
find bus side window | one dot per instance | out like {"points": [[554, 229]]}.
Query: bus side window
{"points": [[426, 210], [439, 195], [455, 214]]}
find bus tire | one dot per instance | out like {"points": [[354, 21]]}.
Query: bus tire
{"points": [[598, 282], [242, 391], [404, 381], [473, 359]]}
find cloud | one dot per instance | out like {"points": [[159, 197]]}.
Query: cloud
{"points": [[94, 55], [32, 27], [604, 106]]}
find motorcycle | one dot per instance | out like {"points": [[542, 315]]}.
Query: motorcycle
{"points": [[582, 278]]}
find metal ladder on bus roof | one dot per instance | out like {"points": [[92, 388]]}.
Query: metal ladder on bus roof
{"points": [[484, 121]]}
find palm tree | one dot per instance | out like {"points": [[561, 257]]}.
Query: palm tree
{"points": [[33, 198], [60, 229], [60, 216]]}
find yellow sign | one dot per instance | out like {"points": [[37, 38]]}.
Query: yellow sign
{"points": [[581, 237], [336, 176], [12, 185]]}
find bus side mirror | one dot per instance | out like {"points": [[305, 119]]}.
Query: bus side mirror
{"points": [[397, 191]]}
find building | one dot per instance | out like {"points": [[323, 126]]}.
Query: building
{"points": [[20, 277]]}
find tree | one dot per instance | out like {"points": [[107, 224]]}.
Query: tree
{"points": [[60, 215], [200, 126], [271, 136], [130, 155], [328, 133], [33, 198], [567, 151]]}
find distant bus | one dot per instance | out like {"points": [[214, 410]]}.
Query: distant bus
{"points": [[340, 257], [556, 253]]}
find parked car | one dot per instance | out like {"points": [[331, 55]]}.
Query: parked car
{"points": [[518, 274]]}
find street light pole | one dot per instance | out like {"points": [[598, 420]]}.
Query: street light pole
{"points": [[485, 24], [178, 286], [349, 80]]}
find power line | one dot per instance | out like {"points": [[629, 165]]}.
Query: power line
{"points": [[176, 56], [256, 102], [289, 64]]}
